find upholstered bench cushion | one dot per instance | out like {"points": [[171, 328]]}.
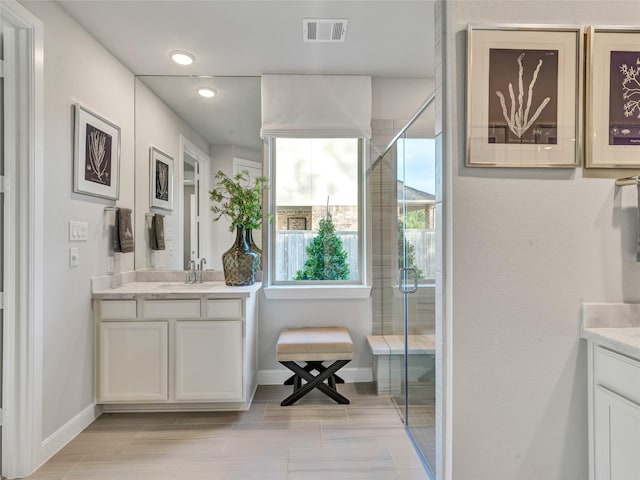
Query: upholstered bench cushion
{"points": [[314, 343]]}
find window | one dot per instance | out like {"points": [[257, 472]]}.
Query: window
{"points": [[317, 226], [416, 206]]}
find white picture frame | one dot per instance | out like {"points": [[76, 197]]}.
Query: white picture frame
{"points": [[160, 179], [96, 154], [524, 96]]}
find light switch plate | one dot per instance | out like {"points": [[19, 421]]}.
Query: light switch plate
{"points": [[78, 231]]}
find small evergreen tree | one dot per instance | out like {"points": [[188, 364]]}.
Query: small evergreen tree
{"points": [[327, 259], [406, 247]]}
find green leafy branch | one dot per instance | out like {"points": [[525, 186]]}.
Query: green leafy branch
{"points": [[238, 199]]}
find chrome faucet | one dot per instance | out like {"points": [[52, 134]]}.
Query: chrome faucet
{"points": [[191, 273], [200, 269]]}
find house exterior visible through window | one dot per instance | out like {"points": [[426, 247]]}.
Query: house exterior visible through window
{"points": [[416, 206], [317, 226]]}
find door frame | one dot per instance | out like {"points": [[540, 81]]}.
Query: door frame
{"points": [[23, 338], [204, 166]]}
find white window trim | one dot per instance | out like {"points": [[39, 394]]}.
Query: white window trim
{"points": [[322, 289], [317, 292]]}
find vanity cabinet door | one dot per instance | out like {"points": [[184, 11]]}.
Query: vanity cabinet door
{"points": [[208, 360], [133, 362], [617, 437]]}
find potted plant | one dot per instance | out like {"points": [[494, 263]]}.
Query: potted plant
{"points": [[239, 200]]}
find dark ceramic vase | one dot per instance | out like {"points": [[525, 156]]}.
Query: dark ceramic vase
{"points": [[254, 248], [239, 262]]}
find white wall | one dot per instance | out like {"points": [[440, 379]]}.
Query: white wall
{"points": [[158, 126], [276, 315], [526, 247], [397, 99], [76, 69]]}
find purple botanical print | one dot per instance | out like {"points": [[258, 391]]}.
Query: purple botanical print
{"points": [[624, 98]]}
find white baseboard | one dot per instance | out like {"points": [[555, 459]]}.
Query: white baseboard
{"points": [[61, 437], [350, 375]]}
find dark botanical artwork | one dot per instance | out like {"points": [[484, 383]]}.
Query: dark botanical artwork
{"points": [[162, 181], [523, 96], [97, 158], [624, 98]]}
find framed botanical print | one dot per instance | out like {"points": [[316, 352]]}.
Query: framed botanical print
{"points": [[613, 98], [160, 179], [524, 91], [96, 154]]}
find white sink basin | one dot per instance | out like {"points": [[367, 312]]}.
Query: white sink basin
{"points": [[176, 286]]}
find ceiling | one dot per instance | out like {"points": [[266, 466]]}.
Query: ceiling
{"points": [[384, 38]]}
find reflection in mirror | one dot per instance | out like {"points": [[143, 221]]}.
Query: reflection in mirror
{"points": [[202, 135], [191, 205]]}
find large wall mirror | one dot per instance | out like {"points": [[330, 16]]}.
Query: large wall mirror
{"points": [[201, 135]]}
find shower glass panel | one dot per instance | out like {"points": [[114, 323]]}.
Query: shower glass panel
{"points": [[403, 196]]}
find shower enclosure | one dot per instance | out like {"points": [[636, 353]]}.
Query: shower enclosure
{"points": [[404, 261]]}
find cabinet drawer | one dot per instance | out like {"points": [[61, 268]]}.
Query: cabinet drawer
{"points": [[117, 309], [617, 373], [171, 308], [228, 309]]}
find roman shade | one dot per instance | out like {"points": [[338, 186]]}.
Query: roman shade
{"points": [[316, 106]]}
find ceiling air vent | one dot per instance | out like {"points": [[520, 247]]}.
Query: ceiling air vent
{"points": [[324, 30]]}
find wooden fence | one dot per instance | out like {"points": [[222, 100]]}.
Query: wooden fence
{"points": [[291, 251], [424, 244]]}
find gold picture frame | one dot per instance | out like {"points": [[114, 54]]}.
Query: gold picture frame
{"points": [[613, 97], [524, 96]]}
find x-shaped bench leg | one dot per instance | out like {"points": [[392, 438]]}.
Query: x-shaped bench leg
{"points": [[314, 382], [310, 367]]}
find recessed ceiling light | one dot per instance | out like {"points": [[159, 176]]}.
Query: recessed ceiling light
{"points": [[181, 57], [206, 92]]}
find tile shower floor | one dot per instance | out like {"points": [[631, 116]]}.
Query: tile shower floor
{"points": [[313, 439]]}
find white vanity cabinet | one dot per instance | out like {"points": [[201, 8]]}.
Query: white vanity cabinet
{"points": [[616, 416], [612, 331], [181, 352]]}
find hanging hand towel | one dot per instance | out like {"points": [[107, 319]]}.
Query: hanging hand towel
{"points": [[123, 234], [157, 232], [638, 246]]}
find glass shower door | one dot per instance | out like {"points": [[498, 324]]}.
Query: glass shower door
{"points": [[403, 260], [416, 256]]}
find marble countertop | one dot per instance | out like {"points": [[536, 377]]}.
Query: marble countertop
{"points": [[166, 284], [625, 340], [613, 325], [157, 290]]}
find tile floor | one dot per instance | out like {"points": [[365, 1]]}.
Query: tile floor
{"points": [[313, 439]]}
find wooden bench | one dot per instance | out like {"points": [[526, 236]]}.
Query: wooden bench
{"points": [[311, 346], [388, 351]]}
